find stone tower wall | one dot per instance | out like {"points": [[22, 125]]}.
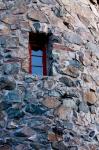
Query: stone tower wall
{"points": [[58, 112]]}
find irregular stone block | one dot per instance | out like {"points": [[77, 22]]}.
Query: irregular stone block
{"points": [[14, 113], [63, 113], [13, 97], [24, 132], [91, 46], [37, 16], [48, 2], [35, 109], [67, 81], [2, 41], [83, 107], [51, 102], [90, 97], [73, 38], [5, 147], [68, 103], [59, 146], [7, 83], [71, 71], [2, 6], [11, 68]]}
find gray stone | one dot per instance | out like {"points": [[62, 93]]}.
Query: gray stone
{"points": [[59, 146], [83, 107], [7, 83], [11, 68], [37, 26], [68, 125], [92, 47], [67, 81], [48, 2], [72, 148], [2, 41], [13, 97], [69, 103], [73, 38]]}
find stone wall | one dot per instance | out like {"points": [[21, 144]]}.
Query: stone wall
{"points": [[59, 112]]}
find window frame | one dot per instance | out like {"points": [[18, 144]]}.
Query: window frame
{"points": [[44, 58]]}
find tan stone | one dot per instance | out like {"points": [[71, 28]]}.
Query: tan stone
{"points": [[10, 19], [63, 113], [37, 16], [90, 97], [51, 102], [86, 77], [71, 71], [53, 137]]}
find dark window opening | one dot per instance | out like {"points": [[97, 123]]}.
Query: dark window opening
{"points": [[38, 47]]}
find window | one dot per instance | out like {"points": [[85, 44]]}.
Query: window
{"points": [[38, 54]]}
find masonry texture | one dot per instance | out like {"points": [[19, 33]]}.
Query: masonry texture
{"points": [[58, 112]]}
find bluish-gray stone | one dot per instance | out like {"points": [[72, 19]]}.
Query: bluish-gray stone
{"points": [[7, 83], [67, 81], [2, 41], [14, 113], [11, 68], [83, 107], [35, 109], [13, 97]]}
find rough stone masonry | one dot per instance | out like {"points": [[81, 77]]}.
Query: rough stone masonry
{"points": [[58, 112]]}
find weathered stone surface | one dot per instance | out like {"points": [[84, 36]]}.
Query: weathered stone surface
{"points": [[63, 112], [90, 97], [25, 131], [7, 83], [2, 6], [83, 107], [73, 38], [67, 81], [11, 68], [13, 96], [51, 102], [14, 113], [59, 145], [37, 16], [5, 147], [69, 103], [52, 2], [71, 71]]}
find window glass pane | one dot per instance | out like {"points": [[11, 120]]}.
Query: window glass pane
{"points": [[37, 71], [36, 61], [37, 53]]}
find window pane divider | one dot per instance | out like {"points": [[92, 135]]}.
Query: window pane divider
{"points": [[36, 55], [36, 66]]}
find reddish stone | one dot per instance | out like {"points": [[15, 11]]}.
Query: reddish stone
{"points": [[61, 47]]}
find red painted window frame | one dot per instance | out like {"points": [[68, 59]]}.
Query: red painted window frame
{"points": [[43, 59]]}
